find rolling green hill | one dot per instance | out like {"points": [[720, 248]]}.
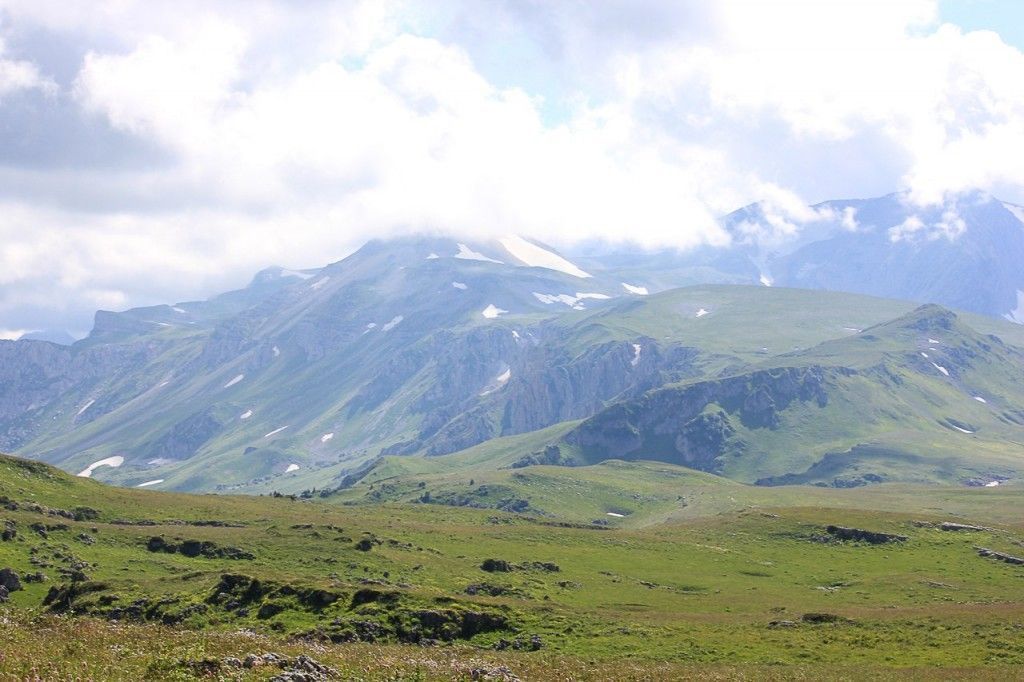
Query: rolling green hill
{"points": [[699, 576]]}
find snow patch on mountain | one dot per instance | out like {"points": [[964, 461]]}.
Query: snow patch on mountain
{"points": [[274, 432], [568, 299], [636, 354], [326, 437], [85, 407], [538, 257], [245, 415], [960, 429], [702, 312], [1017, 314], [638, 290], [940, 368], [498, 382], [179, 310], [980, 399], [296, 273], [149, 483], [1017, 211], [432, 256], [466, 253], [320, 282], [460, 285], [492, 311], [395, 321], [291, 468], [765, 280], [276, 351], [548, 299], [112, 462], [234, 381]]}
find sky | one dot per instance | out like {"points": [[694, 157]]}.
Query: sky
{"points": [[158, 151]]}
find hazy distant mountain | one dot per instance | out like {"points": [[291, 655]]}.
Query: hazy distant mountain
{"points": [[967, 254], [58, 336]]}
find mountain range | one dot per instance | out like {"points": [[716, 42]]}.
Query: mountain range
{"points": [[800, 358]]}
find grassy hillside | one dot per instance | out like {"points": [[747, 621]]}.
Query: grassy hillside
{"points": [[922, 398], [686, 583], [304, 385]]}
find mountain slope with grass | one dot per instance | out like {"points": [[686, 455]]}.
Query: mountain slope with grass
{"points": [[426, 347], [921, 398]]}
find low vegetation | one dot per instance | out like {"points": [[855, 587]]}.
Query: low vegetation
{"points": [[761, 588]]}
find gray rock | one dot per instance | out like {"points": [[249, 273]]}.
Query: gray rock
{"points": [[949, 525], [10, 580]]}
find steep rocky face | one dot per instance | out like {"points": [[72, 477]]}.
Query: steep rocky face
{"points": [[184, 439], [35, 376], [693, 425], [492, 383]]}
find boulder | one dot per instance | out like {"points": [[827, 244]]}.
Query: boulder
{"points": [[949, 525], [496, 566], [859, 535], [10, 580], [1000, 556]]}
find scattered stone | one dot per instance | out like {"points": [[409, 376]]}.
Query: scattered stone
{"points": [[4, 594], [10, 531], [37, 577], [306, 669], [300, 669], [859, 535], [949, 525], [535, 643], [999, 556], [496, 566], [206, 667], [492, 674], [85, 514], [10, 580], [782, 624], [197, 548], [85, 538], [818, 618]]}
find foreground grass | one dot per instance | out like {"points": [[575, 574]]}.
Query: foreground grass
{"points": [[34, 647]]}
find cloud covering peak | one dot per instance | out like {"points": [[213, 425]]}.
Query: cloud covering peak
{"points": [[212, 139]]}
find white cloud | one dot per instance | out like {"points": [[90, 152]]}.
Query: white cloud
{"points": [[17, 75], [849, 219], [291, 132], [950, 226]]}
